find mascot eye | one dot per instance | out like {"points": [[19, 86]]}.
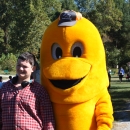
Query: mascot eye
{"points": [[77, 49], [56, 51]]}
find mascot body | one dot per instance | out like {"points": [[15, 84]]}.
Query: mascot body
{"points": [[73, 70]]}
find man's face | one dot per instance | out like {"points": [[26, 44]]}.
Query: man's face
{"points": [[24, 69]]}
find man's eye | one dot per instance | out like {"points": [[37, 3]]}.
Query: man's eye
{"points": [[21, 66]]}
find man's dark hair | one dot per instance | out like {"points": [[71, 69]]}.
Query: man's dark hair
{"points": [[33, 58], [35, 62], [28, 57]]}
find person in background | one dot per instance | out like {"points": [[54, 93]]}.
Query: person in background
{"points": [[10, 77], [121, 73], [24, 103], [109, 77], [128, 76], [1, 81], [109, 71]]}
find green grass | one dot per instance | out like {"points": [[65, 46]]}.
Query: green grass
{"points": [[120, 95], [10, 73]]}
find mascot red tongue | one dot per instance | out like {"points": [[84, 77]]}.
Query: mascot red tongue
{"points": [[73, 70]]}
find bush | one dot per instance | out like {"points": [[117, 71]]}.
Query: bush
{"points": [[8, 62]]}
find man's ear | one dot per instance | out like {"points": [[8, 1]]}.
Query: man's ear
{"points": [[34, 68]]}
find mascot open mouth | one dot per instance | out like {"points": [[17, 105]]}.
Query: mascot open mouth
{"points": [[65, 84]]}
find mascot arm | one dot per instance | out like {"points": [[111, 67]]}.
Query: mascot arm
{"points": [[104, 112]]}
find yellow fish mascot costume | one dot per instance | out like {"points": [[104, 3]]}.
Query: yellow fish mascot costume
{"points": [[73, 70]]}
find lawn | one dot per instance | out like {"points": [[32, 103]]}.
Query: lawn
{"points": [[10, 72], [120, 94]]}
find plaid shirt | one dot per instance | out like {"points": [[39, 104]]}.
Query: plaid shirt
{"points": [[26, 109]]}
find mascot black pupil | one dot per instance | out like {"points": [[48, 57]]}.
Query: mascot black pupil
{"points": [[77, 52], [58, 52]]}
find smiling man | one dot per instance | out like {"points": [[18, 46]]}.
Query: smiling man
{"points": [[24, 103]]}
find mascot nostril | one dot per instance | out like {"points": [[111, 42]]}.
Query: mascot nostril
{"points": [[65, 84], [73, 71]]}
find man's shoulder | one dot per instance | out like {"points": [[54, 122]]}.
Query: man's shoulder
{"points": [[38, 85], [39, 89]]}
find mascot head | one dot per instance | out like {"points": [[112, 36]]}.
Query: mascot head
{"points": [[73, 65]]}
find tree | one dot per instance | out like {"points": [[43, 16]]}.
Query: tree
{"points": [[113, 55], [24, 22], [1, 36], [106, 16], [29, 25], [68, 5], [8, 62], [1, 40], [6, 18], [52, 8], [125, 31], [86, 6], [121, 38]]}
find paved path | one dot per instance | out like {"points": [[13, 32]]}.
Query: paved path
{"points": [[121, 126], [5, 75]]}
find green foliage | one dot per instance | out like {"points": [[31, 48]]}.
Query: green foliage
{"points": [[1, 35], [68, 5], [121, 38], [106, 16], [29, 25], [86, 6], [8, 62], [52, 8], [112, 56], [6, 18], [22, 24]]}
